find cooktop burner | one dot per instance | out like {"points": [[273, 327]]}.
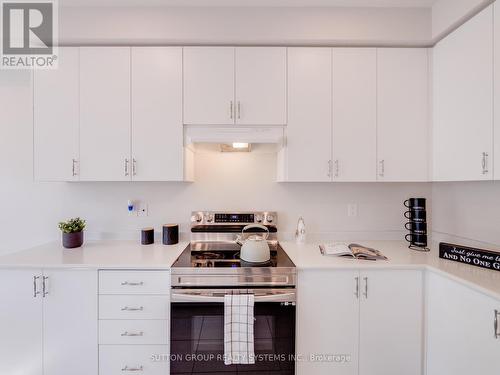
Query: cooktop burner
{"points": [[226, 255]]}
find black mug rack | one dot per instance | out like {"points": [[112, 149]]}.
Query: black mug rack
{"points": [[417, 223]]}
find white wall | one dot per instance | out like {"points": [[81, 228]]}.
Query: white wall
{"points": [[240, 25], [30, 211], [468, 210], [448, 14]]}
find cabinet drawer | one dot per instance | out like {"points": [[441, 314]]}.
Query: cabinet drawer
{"points": [[142, 359], [134, 282], [153, 332], [133, 307]]}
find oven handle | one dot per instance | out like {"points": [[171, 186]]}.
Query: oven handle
{"points": [[218, 296]]}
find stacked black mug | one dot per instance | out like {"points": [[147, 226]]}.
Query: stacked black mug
{"points": [[417, 223]]}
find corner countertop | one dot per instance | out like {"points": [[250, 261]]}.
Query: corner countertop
{"points": [[96, 254], [116, 254], [308, 257]]}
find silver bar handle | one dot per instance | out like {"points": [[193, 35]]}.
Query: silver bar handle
{"points": [[132, 334], [134, 167], [126, 308], [138, 368], [495, 324], [337, 168], [44, 286], [485, 163], [329, 174], [284, 296], [126, 167], [239, 110], [356, 290], [74, 172], [365, 293], [231, 109], [35, 287], [132, 283], [381, 168]]}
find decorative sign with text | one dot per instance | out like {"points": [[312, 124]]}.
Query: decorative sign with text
{"points": [[468, 255]]}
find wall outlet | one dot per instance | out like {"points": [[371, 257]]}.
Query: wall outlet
{"points": [[142, 209], [352, 210]]}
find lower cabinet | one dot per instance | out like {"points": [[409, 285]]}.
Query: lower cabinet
{"points": [[48, 322], [134, 322], [352, 322], [462, 329]]}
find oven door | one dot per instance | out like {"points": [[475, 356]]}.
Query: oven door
{"points": [[197, 332]]}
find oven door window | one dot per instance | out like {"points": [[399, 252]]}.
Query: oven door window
{"points": [[197, 340]]}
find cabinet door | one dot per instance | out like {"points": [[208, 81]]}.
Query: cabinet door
{"points": [[460, 329], [105, 113], [70, 322], [20, 322], [209, 85], [157, 133], [496, 93], [56, 119], [463, 100], [391, 323], [309, 130], [261, 85], [327, 322], [354, 114], [402, 114]]}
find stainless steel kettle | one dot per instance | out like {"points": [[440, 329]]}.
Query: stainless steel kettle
{"points": [[254, 246]]}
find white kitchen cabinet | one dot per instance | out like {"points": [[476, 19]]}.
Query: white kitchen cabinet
{"points": [[20, 322], [56, 119], [209, 85], [496, 92], [70, 322], [105, 114], [327, 322], [463, 102], [354, 114], [261, 85], [308, 152], [402, 114], [48, 321], [460, 329], [391, 322], [157, 132]]}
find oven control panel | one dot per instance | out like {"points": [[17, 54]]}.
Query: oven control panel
{"points": [[231, 218]]}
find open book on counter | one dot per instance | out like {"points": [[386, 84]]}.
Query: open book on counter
{"points": [[353, 250]]}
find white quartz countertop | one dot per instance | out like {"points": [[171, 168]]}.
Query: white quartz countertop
{"points": [[308, 256], [97, 254], [132, 255]]}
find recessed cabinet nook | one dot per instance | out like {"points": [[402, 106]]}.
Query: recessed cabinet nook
{"points": [[347, 114]]}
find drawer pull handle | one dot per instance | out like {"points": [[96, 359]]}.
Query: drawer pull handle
{"points": [[126, 308], [132, 283], [139, 368], [132, 334]]}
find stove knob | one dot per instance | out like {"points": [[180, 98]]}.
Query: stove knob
{"points": [[209, 218], [258, 218], [197, 217], [269, 218]]}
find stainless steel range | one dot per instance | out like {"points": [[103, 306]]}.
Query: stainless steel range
{"points": [[210, 268]]}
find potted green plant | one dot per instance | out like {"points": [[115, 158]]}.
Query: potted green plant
{"points": [[72, 232]]}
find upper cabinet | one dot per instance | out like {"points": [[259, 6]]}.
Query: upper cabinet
{"points": [[402, 114], [56, 119], [496, 83], [227, 85], [209, 85], [354, 114], [157, 133], [308, 152], [105, 114], [260, 86], [463, 102]]}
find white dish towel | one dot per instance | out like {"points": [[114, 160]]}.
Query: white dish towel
{"points": [[238, 329]]}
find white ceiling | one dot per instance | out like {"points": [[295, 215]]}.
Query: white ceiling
{"points": [[254, 3]]}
